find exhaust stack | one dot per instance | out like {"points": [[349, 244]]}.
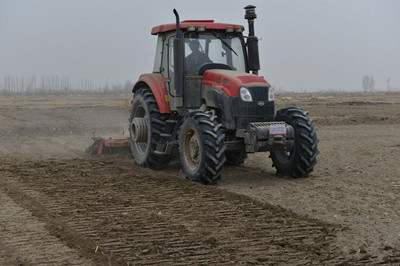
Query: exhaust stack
{"points": [[252, 40], [178, 59]]}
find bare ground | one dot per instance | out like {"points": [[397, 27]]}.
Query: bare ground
{"points": [[59, 206]]}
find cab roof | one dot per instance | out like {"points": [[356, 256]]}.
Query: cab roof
{"points": [[209, 25]]}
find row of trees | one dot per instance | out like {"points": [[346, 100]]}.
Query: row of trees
{"points": [[54, 84]]}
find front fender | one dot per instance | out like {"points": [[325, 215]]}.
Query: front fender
{"points": [[157, 85]]}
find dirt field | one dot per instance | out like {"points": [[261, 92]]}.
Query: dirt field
{"points": [[58, 206]]}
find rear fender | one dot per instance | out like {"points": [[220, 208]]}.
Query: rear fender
{"points": [[157, 85]]}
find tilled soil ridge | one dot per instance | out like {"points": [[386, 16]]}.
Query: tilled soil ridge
{"points": [[116, 212], [25, 240]]}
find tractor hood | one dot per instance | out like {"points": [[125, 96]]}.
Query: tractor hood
{"points": [[230, 81]]}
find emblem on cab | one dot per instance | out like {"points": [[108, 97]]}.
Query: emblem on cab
{"points": [[260, 103]]}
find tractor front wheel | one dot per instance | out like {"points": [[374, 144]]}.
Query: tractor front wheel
{"points": [[146, 123], [301, 159], [202, 148]]}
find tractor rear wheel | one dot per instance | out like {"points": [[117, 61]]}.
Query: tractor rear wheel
{"points": [[146, 124], [202, 148], [300, 161]]}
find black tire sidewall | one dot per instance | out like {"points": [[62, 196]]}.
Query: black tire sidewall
{"points": [[296, 166], [212, 147], [190, 123], [288, 167], [139, 101]]}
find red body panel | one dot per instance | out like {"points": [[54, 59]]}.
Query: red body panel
{"points": [[209, 24], [157, 85], [227, 80], [230, 81]]}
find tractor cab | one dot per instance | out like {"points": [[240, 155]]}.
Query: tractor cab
{"points": [[205, 42], [203, 45]]}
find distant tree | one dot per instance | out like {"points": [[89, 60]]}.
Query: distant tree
{"points": [[368, 83]]}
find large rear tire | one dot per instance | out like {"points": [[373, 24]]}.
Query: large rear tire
{"points": [[146, 123], [300, 161], [202, 148]]}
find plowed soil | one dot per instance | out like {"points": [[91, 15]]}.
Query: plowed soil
{"points": [[59, 206]]}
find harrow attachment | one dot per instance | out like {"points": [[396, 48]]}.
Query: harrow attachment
{"points": [[108, 146]]}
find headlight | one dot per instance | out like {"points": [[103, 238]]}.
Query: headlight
{"points": [[271, 96], [245, 95]]}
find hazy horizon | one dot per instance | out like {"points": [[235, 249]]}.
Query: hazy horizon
{"points": [[305, 45]]}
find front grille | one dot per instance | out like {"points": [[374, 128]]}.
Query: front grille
{"points": [[259, 93], [247, 112]]}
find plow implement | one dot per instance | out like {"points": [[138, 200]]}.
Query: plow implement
{"points": [[108, 146]]}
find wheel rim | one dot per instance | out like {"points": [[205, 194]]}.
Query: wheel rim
{"points": [[140, 130], [192, 149]]}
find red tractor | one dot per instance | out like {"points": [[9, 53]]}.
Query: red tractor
{"points": [[202, 98]]}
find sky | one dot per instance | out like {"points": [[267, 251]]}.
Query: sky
{"points": [[306, 45]]}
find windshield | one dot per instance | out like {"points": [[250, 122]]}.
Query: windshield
{"points": [[220, 48]]}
